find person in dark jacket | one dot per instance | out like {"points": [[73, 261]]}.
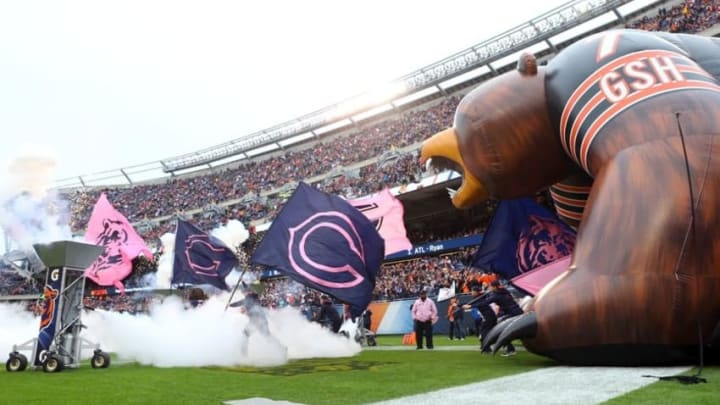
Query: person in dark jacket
{"points": [[251, 306], [489, 319], [501, 297], [508, 307], [328, 315]]}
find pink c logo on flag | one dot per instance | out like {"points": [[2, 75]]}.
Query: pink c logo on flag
{"points": [[198, 249], [338, 223]]}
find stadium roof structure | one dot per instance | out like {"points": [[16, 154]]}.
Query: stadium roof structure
{"points": [[541, 34], [537, 30]]}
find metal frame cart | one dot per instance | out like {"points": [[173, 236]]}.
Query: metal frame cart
{"points": [[59, 344]]}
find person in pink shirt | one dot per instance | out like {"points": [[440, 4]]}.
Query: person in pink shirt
{"points": [[424, 313]]}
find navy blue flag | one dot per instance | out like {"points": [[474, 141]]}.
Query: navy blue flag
{"points": [[523, 235], [323, 242], [200, 258]]}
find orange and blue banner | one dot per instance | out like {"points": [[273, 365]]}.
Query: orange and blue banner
{"points": [[49, 315]]}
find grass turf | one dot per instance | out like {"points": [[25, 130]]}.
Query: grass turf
{"points": [[373, 375], [672, 392]]}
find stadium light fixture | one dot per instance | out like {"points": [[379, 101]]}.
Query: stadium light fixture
{"points": [[372, 112], [296, 139], [416, 95], [331, 127], [371, 99]]}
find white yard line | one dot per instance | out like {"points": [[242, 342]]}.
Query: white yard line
{"points": [[259, 401], [554, 385], [546, 386]]}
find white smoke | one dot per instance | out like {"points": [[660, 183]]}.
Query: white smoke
{"points": [[18, 326], [31, 170], [234, 278], [165, 262], [233, 234], [30, 212], [174, 336]]}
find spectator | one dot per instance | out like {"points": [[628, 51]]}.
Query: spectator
{"points": [[455, 315], [424, 314]]}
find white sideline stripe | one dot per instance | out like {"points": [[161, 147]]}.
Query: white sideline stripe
{"points": [[554, 385], [460, 348], [259, 401]]}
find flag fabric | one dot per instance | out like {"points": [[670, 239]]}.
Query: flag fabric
{"points": [[523, 235], [534, 280], [445, 293], [323, 242], [200, 258], [109, 228], [386, 212]]}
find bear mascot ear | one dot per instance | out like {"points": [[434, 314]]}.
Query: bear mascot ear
{"points": [[527, 65]]}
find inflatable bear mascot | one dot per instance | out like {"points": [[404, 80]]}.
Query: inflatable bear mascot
{"points": [[625, 125]]}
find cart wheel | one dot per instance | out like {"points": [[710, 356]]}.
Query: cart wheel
{"points": [[53, 364], [16, 362], [100, 360]]}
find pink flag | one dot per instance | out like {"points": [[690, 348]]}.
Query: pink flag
{"points": [[386, 212], [109, 228], [534, 280]]}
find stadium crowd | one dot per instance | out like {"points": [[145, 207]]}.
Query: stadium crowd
{"points": [[689, 17], [129, 303], [13, 284], [178, 195]]}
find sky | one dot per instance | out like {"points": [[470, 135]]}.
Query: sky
{"points": [[101, 85]]}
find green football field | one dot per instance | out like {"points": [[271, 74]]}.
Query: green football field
{"points": [[372, 375]]}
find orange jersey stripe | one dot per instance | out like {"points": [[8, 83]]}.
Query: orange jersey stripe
{"points": [[582, 115], [568, 201], [569, 214], [597, 75], [599, 98], [632, 99], [572, 189], [694, 69]]}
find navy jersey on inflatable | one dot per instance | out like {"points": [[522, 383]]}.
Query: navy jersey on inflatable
{"points": [[596, 80]]}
